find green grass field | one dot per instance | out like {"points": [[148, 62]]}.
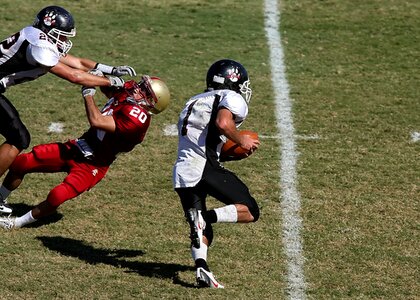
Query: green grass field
{"points": [[352, 67]]}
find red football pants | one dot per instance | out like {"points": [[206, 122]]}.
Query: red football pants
{"points": [[59, 157]]}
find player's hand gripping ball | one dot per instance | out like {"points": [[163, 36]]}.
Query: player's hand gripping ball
{"points": [[232, 151]]}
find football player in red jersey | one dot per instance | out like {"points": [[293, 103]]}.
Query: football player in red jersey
{"points": [[32, 52], [119, 127]]}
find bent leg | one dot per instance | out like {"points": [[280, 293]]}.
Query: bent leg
{"points": [[42, 159], [58, 195], [240, 206], [244, 215], [8, 153], [16, 134]]}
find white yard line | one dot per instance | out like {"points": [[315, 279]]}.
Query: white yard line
{"points": [[172, 130], [309, 137], [290, 198]]}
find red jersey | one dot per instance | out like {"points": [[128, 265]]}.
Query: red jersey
{"points": [[87, 160], [132, 122]]}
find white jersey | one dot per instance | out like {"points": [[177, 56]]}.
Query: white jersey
{"points": [[25, 56], [199, 138]]}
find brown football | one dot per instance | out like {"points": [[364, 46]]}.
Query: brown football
{"points": [[232, 151]]}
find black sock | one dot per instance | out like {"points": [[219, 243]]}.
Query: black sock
{"points": [[210, 216], [201, 263]]}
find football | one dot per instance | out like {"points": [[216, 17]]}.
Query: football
{"points": [[232, 151]]}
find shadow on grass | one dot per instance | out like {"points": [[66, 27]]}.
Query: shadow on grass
{"points": [[92, 255], [19, 209]]}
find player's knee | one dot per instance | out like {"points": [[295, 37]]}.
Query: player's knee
{"points": [[60, 194], [254, 211], [21, 137], [20, 164]]}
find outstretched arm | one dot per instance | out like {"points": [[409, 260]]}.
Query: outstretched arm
{"points": [[94, 115], [79, 76], [86, 64], [79, 63], [75, 70]]}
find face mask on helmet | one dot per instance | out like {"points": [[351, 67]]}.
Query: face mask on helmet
{"points": [[246, 90], [61, 39], [58, 24], [156, 96]]}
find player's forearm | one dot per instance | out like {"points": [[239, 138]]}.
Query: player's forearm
{"points": [[78, 76], [227, 126], [86, 79], [79, 63], [231, 133], [95, 117]]}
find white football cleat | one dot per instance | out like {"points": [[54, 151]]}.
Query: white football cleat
{"points": [[8, 222], [206, 279], [197, 224], [5, 208]]}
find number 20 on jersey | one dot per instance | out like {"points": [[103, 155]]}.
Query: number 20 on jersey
{"points": [[139, 114]]}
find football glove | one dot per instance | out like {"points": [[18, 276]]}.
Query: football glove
{"points": [[116, 81], [2, 88], [88, 91], [96, 72], [123, 70], [116, 71]]}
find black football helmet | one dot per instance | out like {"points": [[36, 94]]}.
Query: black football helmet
{"points": [[231, 75], [58, 24]]}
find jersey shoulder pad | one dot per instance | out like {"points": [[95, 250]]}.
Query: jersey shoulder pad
{"points": [[235, 103], [40, 50]]}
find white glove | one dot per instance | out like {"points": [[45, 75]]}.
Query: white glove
{"points": [[116, 81], [116, 71], [123, 70], [88, 91], [96, 72]]}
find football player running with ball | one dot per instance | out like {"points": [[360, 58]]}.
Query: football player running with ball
{"points": [[119, 127], [206, 119], [32, 52]]}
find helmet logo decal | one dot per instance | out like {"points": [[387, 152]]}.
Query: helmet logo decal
{"points": [[234, 75], [49, 19], [218, 79]]}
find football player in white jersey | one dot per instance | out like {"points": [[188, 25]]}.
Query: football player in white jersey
{"points": [[32, 52], [205, 122]]}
